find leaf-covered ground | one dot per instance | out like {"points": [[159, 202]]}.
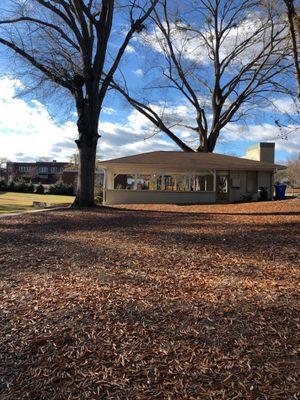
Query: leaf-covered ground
{"points": [[154, 302]]}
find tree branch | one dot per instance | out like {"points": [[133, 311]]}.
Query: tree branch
{"points": [[43, 23], [55, 78]]}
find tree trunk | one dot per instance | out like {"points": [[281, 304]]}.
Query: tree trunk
{"points": [[202, 148], [86, 175], [87, 123], [212, 140], [295, 36]]}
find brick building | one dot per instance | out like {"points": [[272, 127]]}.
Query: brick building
{"points": [[48, 172], [41, 171]]}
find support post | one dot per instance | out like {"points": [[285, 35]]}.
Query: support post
{"points": [[104, 186], [135, 182], [215, 180]]}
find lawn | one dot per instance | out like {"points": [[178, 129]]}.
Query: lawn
{"points": [[19, 202], [151, 302]]}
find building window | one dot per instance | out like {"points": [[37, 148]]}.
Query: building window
{"points": [[24, 168], [181, 183], [53, 170], [251, 181], [202, 183], [222, 184], [43, 170], [167, 183], [124, 181], [146, 182]]}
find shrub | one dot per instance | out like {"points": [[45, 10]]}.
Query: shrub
{"points": [[22, 186], [40, 189], [30, 187], [61, 189], [11, 185], [3, 185]]}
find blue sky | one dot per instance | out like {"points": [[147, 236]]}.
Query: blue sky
{"points": [[34, 127], [30, 130]]}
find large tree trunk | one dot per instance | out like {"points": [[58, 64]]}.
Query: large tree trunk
{"points": [[202, 148], [86, 176], [87, 146], [212, 140], [294, 23]]}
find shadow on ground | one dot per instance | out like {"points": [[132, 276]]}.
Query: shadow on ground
{"points": [[120, 304]]}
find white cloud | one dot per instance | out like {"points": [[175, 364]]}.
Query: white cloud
{"points": [[286, 105], [286, 139], [233, 133], [136, 135], [109, 110], [28, 132], [196, 44], [130, 49], [8, 88], [28, 128], [138, 72]]}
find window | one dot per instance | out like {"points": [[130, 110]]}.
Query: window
{"points": [[146, 182], [168, 183], [43, 170], [177, 182], [222, 184], [251, 181], [53, 170], [202, 183], [24, 168], [124, 181], [159, 182], [182, 183]]}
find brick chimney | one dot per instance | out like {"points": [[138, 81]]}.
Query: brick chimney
{"points": [[264, 152]]}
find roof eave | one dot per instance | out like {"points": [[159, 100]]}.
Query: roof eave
{"points": [[257, 167]]}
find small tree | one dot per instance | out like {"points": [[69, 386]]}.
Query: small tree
{"points": [[68, 43], [291, 175]]}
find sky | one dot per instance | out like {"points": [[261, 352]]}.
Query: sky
{"points": [[31, 128]]}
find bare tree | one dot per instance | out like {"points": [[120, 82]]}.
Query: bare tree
{"points": [[69, 43], [291, 175], [223, 57]]}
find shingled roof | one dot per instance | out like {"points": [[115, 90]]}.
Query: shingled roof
{"points": [[191, 160]]}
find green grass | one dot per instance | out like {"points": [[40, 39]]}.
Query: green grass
{"points": [[18, 202]]}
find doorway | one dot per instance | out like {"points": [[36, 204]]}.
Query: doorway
{"points": [[222, 187]]}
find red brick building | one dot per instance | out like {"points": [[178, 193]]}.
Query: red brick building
{"points": [[41, 171], [48, 172]]}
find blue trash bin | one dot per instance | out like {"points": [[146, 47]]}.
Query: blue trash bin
{"points": [[280, 191]]}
